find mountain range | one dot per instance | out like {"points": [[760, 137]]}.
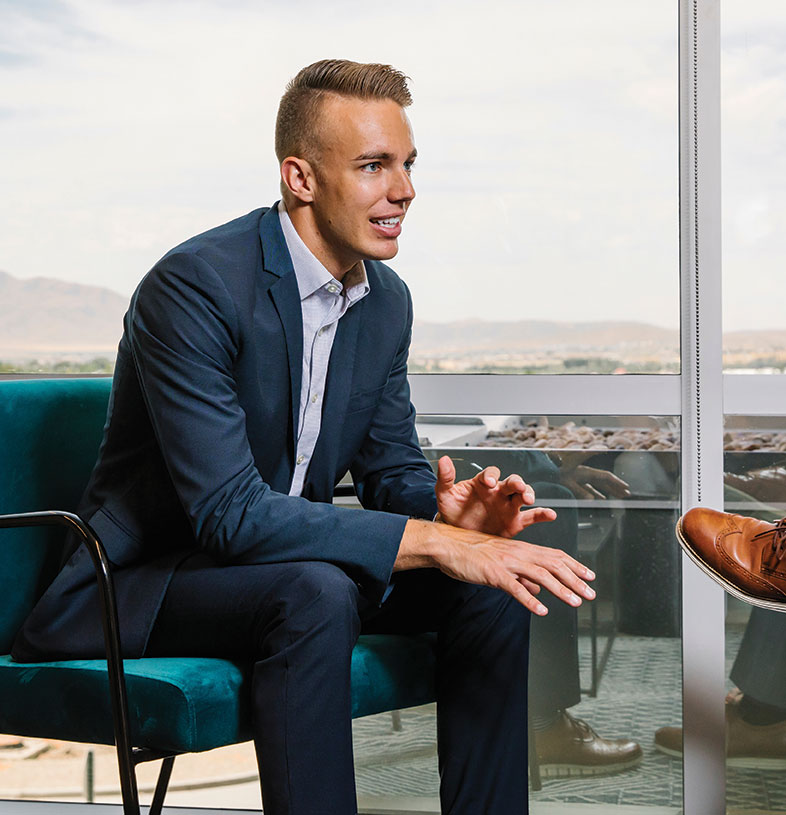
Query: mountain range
{"points": [[43, 315]]}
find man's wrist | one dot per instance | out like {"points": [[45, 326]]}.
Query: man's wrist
{"points": [[420, 547]]}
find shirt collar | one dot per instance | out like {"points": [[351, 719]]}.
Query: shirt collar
{"points": [[311, 275]]}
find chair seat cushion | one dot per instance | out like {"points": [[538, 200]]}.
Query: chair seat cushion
{"points": [[191, 704]]}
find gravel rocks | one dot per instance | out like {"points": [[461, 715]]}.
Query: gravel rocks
{"points": [[569, 436]]}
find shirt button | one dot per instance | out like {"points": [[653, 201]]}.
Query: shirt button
{"points": [[321, 332], [315, 397], [333, 289], [301, 459]]}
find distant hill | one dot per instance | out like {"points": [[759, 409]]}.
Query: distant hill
{"points": [[762, 341], [47, 316], [42, 315], [477, 336]]}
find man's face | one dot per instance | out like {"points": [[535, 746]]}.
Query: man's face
{"points": [[363, 185]]}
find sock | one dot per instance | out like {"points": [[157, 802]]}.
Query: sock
{"points": [[543, 721], [758, 713]]}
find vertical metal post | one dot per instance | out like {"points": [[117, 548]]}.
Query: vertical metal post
{"points": [[702, 397], [90, 777]]}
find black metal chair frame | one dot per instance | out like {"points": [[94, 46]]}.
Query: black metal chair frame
{"points": [[128, 756]]}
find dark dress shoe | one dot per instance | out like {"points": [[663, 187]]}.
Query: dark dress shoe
{"points": [[570, 747], [748, 746], [744, 555]]}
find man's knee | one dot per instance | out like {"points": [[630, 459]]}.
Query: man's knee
{"points": [[495, 609], [322, 593]]}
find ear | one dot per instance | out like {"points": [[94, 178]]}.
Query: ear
{"points": [[298, 176]]}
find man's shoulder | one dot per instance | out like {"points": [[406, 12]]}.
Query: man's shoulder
{"points": [[240, 235], [382, 277]]}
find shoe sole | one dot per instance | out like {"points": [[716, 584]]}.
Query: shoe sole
{"points": [[771, 605], [577, 770], [668, 751], [738, 763]]}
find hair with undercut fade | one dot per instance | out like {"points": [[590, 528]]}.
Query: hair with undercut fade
{"points": [[297, 123]]}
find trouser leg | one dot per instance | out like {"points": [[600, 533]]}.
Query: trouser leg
{"points": [[481, 686], [759, 670], [554, 682], [298, 624]]}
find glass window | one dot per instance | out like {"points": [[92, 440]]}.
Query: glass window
{"points": [[753, 73], [544, 235], [614, 665], [755, 485]]}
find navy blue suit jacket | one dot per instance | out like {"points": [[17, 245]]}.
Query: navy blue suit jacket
{"points": [[198, 449]]}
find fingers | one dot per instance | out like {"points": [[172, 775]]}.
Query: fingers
{"points": [[563, 582], [582, 491], [532, 588], [613, 485], [517, 590], [559, 573], [515, 485], [536, 516], [446, 473], [555, 571], [488, 477]]}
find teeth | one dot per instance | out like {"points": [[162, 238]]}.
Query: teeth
{"points": [[387, 221]]}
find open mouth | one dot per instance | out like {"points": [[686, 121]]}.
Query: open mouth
{"points": [[389, 227]]}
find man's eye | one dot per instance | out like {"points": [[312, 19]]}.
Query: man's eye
{"points": [[409, 165], [372, 167]]}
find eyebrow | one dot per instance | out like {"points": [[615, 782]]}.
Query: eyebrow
{"points": [[382, 156]]}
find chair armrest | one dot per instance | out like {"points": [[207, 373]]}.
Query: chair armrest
{"points": [[109, 618]]}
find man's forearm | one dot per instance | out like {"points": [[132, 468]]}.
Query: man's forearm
{"points": [[516, 567]]}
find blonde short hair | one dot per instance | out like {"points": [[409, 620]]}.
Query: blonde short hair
{"points": [[297, 123]]}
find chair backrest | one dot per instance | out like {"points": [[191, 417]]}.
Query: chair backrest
{"points": [[50, 431]]}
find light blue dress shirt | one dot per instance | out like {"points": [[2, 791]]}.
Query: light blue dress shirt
{"points": [[323, 300]]}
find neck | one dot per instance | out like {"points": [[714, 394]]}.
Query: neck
{"points": [[303, 220]]}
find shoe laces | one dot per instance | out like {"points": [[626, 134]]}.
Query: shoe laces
{"points": [[582, 728], [778, 533]]}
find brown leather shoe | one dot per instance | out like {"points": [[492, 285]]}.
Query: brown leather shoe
{"points": [[748, 746], [744, 555], [570, 747]]}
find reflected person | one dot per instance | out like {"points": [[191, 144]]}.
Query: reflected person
{"points": [[566, 744], [746, 555]]}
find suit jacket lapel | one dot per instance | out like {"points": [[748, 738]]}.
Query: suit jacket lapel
{"points": [[286, 298]]}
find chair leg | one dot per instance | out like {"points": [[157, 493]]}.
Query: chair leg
{"points": [[161, 785], [128, 787], [534, 767]]}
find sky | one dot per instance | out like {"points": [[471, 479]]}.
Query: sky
{"points": [[547, 137]]}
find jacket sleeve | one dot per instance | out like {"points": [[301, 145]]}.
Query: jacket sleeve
{"points": [[390, 471], [185, 337]]}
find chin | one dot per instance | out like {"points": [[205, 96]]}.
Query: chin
{"points": [[385, 252]]}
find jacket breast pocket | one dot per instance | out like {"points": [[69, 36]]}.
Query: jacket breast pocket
{"points": [[364, 400]]}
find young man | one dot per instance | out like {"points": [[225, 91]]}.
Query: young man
{"points": [[260, 361]]}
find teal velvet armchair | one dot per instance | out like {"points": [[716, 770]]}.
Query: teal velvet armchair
{"points": [[149, 708]]}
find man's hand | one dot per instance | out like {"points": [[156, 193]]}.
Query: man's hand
{"points": [[516, 567], [486, 504], [590, 483]]}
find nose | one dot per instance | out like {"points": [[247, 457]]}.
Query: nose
{"points": [[401, 188]]}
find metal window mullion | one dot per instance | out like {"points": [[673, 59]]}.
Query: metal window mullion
{"points": [[702, 398], [754, 394], [588, 395]]}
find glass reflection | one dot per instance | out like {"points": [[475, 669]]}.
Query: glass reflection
{"points": [[755, 485], [605, 679]]}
